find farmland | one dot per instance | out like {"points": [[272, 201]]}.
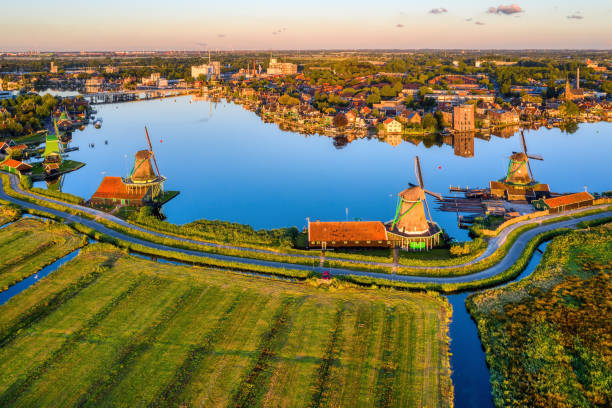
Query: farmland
{"points": [[8, 214], [110, 329], [30, 244], [547, 337]]}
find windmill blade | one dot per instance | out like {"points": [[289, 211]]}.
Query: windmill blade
{"points": [[417, 171], [436, 195], [151, 150], [427, 206], [535, 157], [530, 173], [523, 140]]}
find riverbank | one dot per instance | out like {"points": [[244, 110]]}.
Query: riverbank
{"points": [[493, 275], [546, 336]]}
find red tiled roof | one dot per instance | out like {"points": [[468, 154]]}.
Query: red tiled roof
{"points": [[347, 231], [568, 199], [114, 187], [16, 164]]}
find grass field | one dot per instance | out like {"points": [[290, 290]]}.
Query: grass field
{"points": [[30, 244], [547, 337], [8, 214], [108, 329]]}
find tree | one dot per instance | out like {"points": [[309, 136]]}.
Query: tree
{"points": [[372, 99], [429, 122], [288, 100], [569, 108], [387, 92], [424, 90], [340, 120]]}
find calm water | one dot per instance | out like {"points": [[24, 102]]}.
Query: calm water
{"points": [[229, 165], [470, 372]]}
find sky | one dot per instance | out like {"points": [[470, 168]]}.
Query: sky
{"points": [[75, 25]]}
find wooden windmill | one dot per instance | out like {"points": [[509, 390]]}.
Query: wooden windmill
{"points": [[142, 174], [410, 215], [519, 168]]}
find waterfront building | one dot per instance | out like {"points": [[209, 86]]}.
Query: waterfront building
{"points": [[141, 187], [53, 68], [568, 202], [15, 166], [503, 117], [281, 68], [392, 126], [463, 118]]}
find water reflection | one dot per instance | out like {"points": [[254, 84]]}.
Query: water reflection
{"points": [[237, 168]]}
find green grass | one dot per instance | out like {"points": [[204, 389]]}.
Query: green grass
{"points": [[66, 166], [9, 213], [29, 244], [108, 329], [285, 255], [547, 337]]}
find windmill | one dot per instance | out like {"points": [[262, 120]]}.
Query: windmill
{"points": [[411, 205], [142, 176], [519, 168]]}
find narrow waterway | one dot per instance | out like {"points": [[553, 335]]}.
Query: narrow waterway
{"points": [[19, 287], [470, 374]]}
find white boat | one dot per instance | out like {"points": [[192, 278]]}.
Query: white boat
{"points": [[98, 123]]}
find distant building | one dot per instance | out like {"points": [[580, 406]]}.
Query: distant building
{"points": [[53, 68], [392, 126], [570, 93], [212, 69], [94, 84], [111, 70], [281, 68], [503, 117], [463, 118]]}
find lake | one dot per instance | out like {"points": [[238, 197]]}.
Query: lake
{"points": [[229, 165]]}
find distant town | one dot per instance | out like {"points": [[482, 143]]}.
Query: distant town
{"points": [[396, 94]]}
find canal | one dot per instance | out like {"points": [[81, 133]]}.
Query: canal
{"points": [[229, 165]]}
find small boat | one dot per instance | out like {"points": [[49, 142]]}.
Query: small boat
{"points": [[98, 123]]}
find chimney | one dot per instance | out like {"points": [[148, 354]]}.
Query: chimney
{"points": [[578, 78]]}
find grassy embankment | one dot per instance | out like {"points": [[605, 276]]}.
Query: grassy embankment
{"points": [[107, 329], [29, 244], [9, 213], [547, 337], [287, 258]]}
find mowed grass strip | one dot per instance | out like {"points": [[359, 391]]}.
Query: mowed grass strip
{"points": [[30, 244], [255, 382], [141, 333]]}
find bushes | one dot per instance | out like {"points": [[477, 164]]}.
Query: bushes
{"points": [[222, 231], [546, 336], [467, 248]]}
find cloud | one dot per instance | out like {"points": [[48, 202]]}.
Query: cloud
{"points": [[440, 10], [399, 25], [479, 23], [221, 35], [279, 31], [202, 44], [575, 16], [468, 19], [509, 9]]}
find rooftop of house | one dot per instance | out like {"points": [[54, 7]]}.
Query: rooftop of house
{"points": [[114, 187], [346, 231], [16, 164], [568, 199]]}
